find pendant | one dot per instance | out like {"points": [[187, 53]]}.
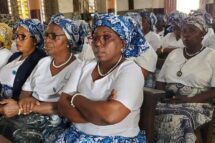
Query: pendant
{"points": [[179, 73]]}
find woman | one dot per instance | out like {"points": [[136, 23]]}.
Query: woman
{"points": [[103, 110], [173, 39], [149, 21], [190, 86], [5, 43], [160, 25], [61, 36], [29, 41]]}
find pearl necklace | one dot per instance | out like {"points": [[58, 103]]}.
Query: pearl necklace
{"points": [[63, 64], [99, 70], [192, 55]]}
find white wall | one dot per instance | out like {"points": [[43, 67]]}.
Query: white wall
{"points": [[65, 6], [140, 4], [122, 5]]}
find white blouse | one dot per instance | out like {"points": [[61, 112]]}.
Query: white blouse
{"points": [[44, 85], [169, 41], [130, 95], [199, 71], [4, 56], [8, 72]]}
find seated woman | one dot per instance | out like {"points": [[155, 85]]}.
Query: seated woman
{"points": [[61, 36], [107, 108], [5, 43], [29, 42], [188, 75], [173, 39]]}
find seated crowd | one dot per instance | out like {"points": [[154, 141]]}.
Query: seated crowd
{"points": [[52, 92]]}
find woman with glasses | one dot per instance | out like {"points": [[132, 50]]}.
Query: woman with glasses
{"points": [[40, 93], [29, 41], [5, 43], [106, 108]]}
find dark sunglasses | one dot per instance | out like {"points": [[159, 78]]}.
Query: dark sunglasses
{"points": [[22, 37], [104, 39], [52, 35]]}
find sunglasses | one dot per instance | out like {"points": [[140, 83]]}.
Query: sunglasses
{"points": [[22, 37], [103, 39], [52, 35]]}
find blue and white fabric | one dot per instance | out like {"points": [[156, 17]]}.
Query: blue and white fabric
{"points": [[201, 12], [35, 28], [74, 34], [73, 135], [176, 18], [127, 30], [150, 17]]}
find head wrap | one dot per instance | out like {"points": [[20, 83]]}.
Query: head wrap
{"points": [[71, 28], [127, 30], [150, 17], [35, 28], [197, 21], [162, 18], [207, 17], [176, 18], [137, 17], [5, 35]]}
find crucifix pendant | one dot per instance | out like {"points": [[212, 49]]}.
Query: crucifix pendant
{"points": [[179, 73]]}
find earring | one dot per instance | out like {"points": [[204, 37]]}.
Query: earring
{"points": [[67, 46], [122, 50]]}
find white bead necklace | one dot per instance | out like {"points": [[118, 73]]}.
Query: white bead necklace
{"points": [[192, 55], [99, 70], [63, 64]]}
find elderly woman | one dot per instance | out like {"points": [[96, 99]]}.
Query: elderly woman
{"points": [[5, 43], [61, 36], [106, 108], [173, 39], [29, 42], [188, 76]]}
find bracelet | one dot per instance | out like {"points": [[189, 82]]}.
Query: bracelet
{"points": [[73, 97]]}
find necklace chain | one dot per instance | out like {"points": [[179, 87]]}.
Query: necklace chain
{"points": [[99, 70], [63, 64], [191, 55]]}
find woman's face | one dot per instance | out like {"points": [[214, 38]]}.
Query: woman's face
{"points": [[145, 24], [55, 40], [24, 40], [191, 35], [107, 44]]}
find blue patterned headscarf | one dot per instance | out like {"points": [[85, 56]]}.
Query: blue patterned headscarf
{"points": [[176, 18], [137, 17], [127, 30], [71, 28], [35, 28], [150, 17], [207, 17], [197, 21]]}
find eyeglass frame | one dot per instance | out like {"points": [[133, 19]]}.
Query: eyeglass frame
{"points": [[22, 37], [51, 35]]}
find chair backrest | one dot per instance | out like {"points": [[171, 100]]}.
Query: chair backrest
{"points": [[147, 113]]}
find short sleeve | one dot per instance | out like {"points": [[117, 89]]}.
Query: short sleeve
{"points": [[129, 86], [147, 59]]}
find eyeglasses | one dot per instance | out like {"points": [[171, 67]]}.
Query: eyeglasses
{"points": [[22, 37], [52, 35], [103, 39]]}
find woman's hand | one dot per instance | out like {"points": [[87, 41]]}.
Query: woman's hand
{"points": [[10, 107], [180, 99], [27, 104]]}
